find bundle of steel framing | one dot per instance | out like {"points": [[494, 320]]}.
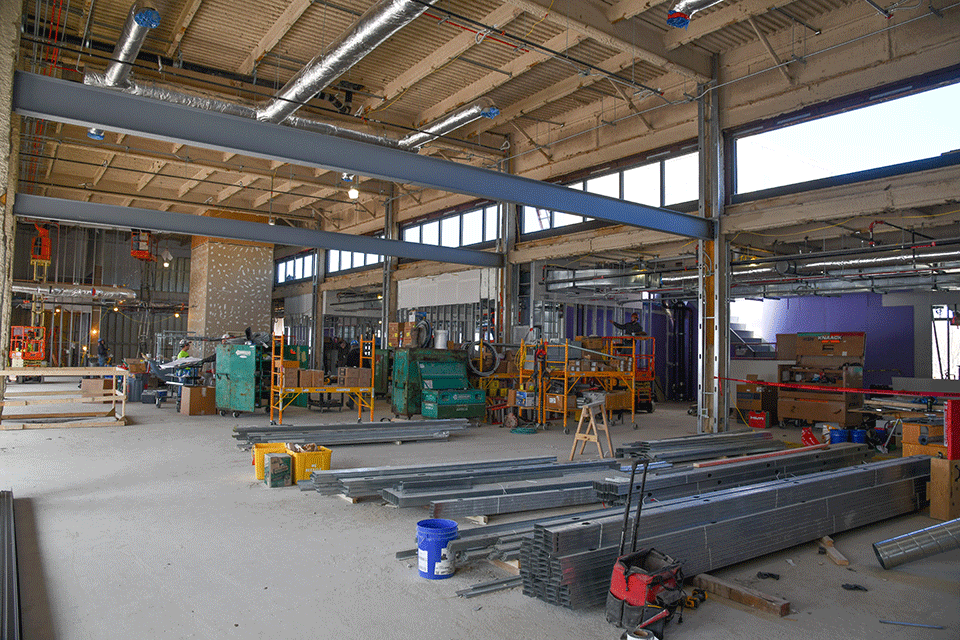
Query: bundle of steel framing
{"points": [[369, 481], [701, 447], [569, 563], [350, 433], [10, 598], [686, 481]]}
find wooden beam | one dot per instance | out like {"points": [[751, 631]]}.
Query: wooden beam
{"points": [[728, 15], [553, 93], [180, 26], [440, 57], [200, 175], [743, 595], [274, 34], [108, 158], [521, 64], [590, 20], [150, 174], [280, 189], [773, 54], [238, 186], [625, 9]]}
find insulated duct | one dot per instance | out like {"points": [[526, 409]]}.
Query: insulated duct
{"points": [[679, 15], [67, 290], [481, 108], [370, 30], [924, 543], [140, 20]]}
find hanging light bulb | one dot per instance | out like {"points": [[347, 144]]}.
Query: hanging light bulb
{"points": [[271, 221], [353, 193], [116, 308], [176, 315]]}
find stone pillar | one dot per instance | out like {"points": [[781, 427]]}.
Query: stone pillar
{"points": [[231, 282], [9, 159]]}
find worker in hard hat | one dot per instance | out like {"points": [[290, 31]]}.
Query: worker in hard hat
{"points": [[633, 327], [184, 349]]}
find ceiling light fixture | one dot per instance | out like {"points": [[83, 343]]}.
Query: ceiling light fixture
{"points": [[353, 193], [271, 221], [167, 257]]}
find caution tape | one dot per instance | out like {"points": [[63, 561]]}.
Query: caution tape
{"points": [[813, 387]]}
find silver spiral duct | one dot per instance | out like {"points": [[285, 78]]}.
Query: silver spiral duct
{"points": [[480, 108], [140, 20], [67, 290], [370, 30], [680, 13], [919, 544]]}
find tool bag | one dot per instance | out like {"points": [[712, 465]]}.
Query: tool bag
{"points": [[645, 577]]}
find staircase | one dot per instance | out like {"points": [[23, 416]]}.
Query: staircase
{"points": [[745, 345]]}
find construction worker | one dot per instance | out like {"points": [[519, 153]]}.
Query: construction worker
{"points": [[184, 349], [102, 353], [633, 327]]}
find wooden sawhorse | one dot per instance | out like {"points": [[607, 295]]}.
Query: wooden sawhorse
{"points": [[593, 420]]}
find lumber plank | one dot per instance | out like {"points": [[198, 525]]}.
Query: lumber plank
{"points": [[743, 595], [478, 519], [119, 422], [838, 558], [59, 372], [510, 566], [63, 400], [44, 416], [760, 456]]}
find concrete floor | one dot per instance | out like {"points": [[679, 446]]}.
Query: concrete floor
{"points": [[159, 530]]}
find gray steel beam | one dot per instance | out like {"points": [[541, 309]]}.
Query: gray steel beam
{"points": [[74, 103], [29, 206]]}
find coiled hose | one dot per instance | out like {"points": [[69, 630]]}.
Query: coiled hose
{"points": [[467, 346]]}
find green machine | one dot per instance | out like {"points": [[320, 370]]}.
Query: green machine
{"points": [[243, 378], [407, 385], [447, 394]]}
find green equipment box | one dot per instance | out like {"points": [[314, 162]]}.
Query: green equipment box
{"points": [[442, 411], [407, 382], [243, 378]]}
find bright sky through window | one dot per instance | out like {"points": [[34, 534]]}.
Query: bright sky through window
{"points": [[924, 125]]}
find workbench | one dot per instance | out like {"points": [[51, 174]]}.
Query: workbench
{"points": [[23, 397]]}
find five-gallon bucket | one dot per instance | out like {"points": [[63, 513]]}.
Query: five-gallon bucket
{"points": [[433, 559], [839, 435], [440, 338], [859, 435]]}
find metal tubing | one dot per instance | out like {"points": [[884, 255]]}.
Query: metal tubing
{"points": [[626, 509], [636, 519], [924, 543], [62, 101]]}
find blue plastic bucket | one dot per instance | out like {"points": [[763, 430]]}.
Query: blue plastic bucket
{"points": [[433, 560], [859, 435], [839, 435]]}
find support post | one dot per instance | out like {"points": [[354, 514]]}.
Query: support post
{"points": [[9, 162], [713, 269], [391, 231]]}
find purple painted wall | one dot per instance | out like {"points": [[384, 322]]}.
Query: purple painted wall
{"points": [[889, 329]]}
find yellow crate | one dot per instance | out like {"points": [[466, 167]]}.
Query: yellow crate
{"points": [[263, 448], [309, 461]]}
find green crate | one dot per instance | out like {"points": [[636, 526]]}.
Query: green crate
{"points": [[443, 411]]}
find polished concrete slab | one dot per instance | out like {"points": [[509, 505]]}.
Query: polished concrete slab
{"points": [[159, 530]]}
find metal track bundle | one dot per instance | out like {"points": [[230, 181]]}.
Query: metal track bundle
{"points": [[688, 481], [363, 482], [701, 447], [10, 598], [345, 434], [569, 563]]}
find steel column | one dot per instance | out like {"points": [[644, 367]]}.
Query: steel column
{"points": [[75, 103]]}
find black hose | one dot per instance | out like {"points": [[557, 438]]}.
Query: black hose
{"points": [[482, 345]]}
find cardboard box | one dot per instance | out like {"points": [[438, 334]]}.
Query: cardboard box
{"points": [[135, 366], [526, 399], [360, 378], [198, 401], [290, 377], [759, 419], [594, 344], [95, 387], [277, 470], [620, 401], [554, 402]]}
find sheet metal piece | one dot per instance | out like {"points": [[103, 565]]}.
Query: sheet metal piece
{"points": [[917, 545]]}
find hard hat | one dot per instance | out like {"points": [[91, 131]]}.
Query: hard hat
{"points": [[184, 343], [225, 336]]}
